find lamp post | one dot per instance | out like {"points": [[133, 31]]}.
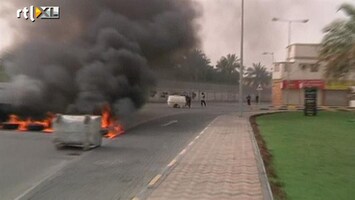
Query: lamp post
{"points": [[289, 22], [241, 72]]}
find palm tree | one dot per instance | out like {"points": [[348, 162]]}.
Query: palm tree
{"points": [[227, 69], [228, 64], [338, 45], [195, 65], [256, 75]]}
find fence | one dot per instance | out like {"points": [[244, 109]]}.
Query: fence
{"points": [[213, 92]]}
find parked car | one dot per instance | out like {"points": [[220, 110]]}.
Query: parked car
{"points": [[176, 101]]}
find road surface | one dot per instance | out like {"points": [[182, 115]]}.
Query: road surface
{"points": [[31, 168]]}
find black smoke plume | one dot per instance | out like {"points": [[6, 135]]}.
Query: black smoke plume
{"points": [[99, 51]]}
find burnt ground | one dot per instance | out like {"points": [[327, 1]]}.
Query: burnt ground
{"points": [[275, 184]]}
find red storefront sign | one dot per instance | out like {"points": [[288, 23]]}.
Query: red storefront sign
{"points": [[299, 84]]}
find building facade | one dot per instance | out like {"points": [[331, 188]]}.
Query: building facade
{"points": [[302, 70]]}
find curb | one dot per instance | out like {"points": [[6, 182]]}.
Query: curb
{"points": [[298, 108], [267, 192], [159, 178]]}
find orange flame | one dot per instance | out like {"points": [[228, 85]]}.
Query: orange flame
{"points": [[110, 123], [48, 128], [23, 125]]}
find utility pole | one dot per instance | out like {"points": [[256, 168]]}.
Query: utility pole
{"points": [[241, 62], [289, 22]]}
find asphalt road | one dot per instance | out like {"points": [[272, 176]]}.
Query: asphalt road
{"points": [[31, 168], [25, 160]]}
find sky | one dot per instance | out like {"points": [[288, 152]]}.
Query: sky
{"points": [[220, 26]]}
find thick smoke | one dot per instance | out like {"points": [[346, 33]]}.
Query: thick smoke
{"points": [[98, 52]]}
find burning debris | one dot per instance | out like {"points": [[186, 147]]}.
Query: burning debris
{"points": [[110, 125], [15, 123]]}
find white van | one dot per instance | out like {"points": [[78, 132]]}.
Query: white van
{"points": [[176, 101]]}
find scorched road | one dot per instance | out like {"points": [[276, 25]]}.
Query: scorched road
{"points": [[31, 168]]}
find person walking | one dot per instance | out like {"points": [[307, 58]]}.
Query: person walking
{"points": [[203, 99], [188, 101], [248, 100]]}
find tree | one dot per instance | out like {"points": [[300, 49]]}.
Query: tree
{"points": [[256, 75], [195, 66], [228, 64], [338, 45], [227, 67]]}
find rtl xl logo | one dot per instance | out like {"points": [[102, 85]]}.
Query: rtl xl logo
{"points": [[42, 12]]}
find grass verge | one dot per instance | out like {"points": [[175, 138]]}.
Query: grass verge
{"points": [[308, 157]]}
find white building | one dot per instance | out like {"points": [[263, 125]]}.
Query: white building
{"points": [[302, 70]]}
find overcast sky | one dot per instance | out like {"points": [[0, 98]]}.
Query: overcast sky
{"points": [[220, 26]]}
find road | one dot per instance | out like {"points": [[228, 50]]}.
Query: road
{"points": [[31, 168]]}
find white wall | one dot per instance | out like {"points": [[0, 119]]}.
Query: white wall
{"points": [[301, 51], [299, 55], [298, 72], [278, 69]]}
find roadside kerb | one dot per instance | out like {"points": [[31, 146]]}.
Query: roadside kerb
{"points": [[261, 167], [155, 181], [169, 186]]}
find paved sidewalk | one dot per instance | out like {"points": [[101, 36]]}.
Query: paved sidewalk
{"points": [[220, 164]]}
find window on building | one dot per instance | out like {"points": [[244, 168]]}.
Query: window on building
{"points": [[303, 66], [314, 67], [277, 68], [287, 68]]}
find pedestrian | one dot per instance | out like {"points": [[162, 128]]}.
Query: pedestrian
{"points": [[188, 101], [248, 99], [257, 99], [203, 99]]}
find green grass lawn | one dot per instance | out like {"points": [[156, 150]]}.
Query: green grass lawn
{"points": [[313, 157]]}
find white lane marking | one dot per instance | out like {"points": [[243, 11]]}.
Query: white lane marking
{"points": [[170, 123], [172, 163], [191, 143], [154, 180], [51, 174], [176, 159], [182, 152]]}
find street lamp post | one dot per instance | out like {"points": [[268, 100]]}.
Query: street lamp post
{"points": [[289, 22], [241, 62]]}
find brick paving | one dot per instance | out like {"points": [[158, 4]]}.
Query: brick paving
{"points": [[221, 164]]}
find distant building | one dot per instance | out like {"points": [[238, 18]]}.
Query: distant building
{"points": [[300, 70]]}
